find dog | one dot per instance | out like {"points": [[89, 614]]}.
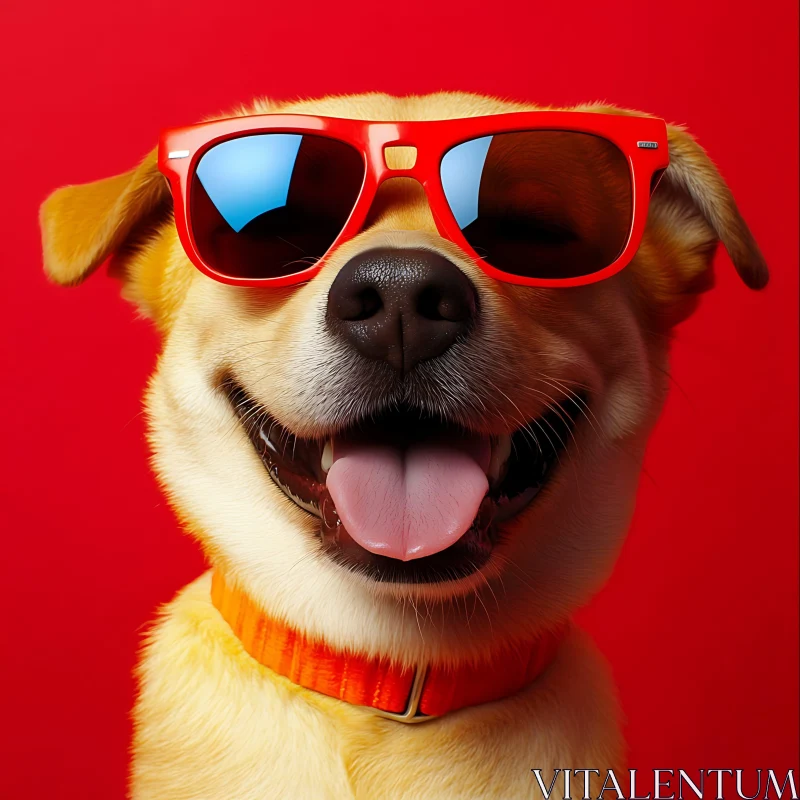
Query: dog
{"points": [[235, 697]]}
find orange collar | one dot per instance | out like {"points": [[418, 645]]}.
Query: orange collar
{"points": [[406, 694]]}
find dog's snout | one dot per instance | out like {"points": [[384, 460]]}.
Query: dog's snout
{"points": [[401, 306]]}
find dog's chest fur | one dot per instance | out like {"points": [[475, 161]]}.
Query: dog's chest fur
{"points": [[212, 723]]}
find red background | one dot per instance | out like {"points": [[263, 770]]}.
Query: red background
{"points": [[700, 620]]}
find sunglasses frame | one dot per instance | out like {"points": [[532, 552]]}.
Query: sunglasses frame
{"points": [[642, 140]]}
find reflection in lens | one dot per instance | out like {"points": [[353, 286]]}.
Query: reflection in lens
{"points": [[462, 169], [250, 176], [541, 204], [269, 205]]}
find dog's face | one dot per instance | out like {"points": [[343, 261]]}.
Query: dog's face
{"points": [[481, 469]]}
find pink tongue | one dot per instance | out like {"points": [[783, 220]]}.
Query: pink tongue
{"points": [[408, 503]]}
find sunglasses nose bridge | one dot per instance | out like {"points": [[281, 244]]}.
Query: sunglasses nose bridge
{"points": [[394, 195], [387, 174]]}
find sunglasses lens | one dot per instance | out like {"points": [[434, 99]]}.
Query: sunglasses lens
{"points": [[272, 204], [541, 204]]}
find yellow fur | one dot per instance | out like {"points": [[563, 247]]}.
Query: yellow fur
{"points": [[277, 740], [211, 723]]}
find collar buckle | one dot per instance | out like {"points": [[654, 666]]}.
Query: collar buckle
{"points": [[412, 713]]}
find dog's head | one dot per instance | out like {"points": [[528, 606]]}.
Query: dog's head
{"points": [[485, 457]]}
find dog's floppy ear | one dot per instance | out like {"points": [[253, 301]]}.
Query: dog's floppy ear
{"points": [[691, 171], [83, 225], [692, 211], [693, 178]]}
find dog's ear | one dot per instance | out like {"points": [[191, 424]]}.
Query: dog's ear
{"points": [[692, 211], [83, 225], [692, 173]]}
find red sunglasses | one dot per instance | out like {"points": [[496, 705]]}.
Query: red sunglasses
{"points": [[541, 198]]}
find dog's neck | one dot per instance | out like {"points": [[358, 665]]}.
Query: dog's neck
{"points": [[408, 693]]}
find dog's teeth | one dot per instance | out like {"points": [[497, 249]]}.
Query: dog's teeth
{"points": [[500, 453], [327, 456]]}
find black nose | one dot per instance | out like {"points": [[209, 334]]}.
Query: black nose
{"points": [[401, 306]]}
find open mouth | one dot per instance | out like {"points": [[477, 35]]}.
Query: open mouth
{"points": [[405, 497]]}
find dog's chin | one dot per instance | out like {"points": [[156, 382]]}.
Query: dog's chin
{"points": [[518, 468]]}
